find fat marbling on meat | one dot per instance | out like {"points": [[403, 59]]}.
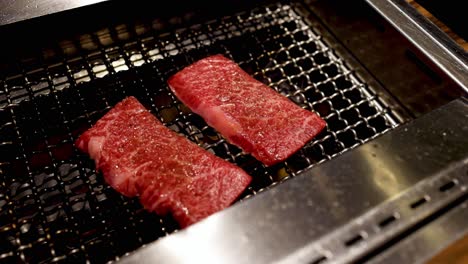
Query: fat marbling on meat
{"points": [[245, 111], [139, 156]]}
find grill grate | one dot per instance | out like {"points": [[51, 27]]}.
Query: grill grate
{"points": [[55, 207]]}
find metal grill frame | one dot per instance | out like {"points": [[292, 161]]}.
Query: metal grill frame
{"points": [[107, 62]]}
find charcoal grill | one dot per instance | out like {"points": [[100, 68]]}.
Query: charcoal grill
{"points": [[378, 186]]}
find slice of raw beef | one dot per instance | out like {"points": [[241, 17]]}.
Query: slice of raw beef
{"points": [[248, 113], [139, 156]]}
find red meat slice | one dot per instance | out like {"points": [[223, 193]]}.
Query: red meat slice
{"points": [[248, 113], [139, 156]]}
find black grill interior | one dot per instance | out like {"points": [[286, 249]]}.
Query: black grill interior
{"points": [[54, 207]]}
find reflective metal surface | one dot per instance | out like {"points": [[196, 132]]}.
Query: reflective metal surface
{"points": [[430, 39], [12, 11], [327, 197], [369, 234], [428, 241]]}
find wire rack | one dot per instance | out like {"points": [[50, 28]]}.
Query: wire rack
{"points": [[54, 207]]}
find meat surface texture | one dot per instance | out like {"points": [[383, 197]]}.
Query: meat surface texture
{"points": [[245, 111], [139, 156]]}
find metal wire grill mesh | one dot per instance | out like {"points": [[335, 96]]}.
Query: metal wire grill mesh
{"points": [[54, 207]]}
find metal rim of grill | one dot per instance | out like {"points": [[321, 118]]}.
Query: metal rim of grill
{"points": [[55, 207]]}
